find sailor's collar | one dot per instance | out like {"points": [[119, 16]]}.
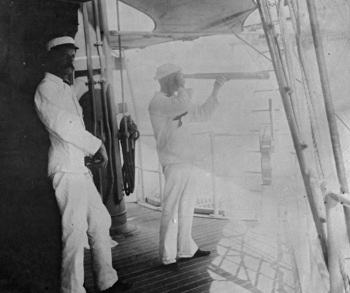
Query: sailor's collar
{"points": [[54, 78]]}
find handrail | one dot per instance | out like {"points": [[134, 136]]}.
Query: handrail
{"points": [[148, 170], [211, 135]]}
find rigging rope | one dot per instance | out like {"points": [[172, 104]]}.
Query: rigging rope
{"points": [[341, 120], [251, 46]]}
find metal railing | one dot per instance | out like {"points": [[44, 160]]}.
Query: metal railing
{"points": [[216, 211]]}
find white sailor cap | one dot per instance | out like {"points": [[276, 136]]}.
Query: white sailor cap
{"points": [[166, 69], [60, 41]]}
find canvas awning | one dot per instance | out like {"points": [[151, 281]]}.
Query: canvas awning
{"points": [[185, 20]]}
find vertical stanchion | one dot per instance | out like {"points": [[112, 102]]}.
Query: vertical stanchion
{"points": [[285, 91], [271, 117], [161, 185], [272, 126], [215, 198]]}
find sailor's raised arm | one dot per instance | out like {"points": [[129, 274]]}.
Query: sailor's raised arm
{"points": [[203, 112]]}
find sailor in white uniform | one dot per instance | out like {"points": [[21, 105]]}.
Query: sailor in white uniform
{"points": [[83, 213], [171, 111]]}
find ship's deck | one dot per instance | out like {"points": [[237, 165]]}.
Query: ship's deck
{"points": [[243, 259]]}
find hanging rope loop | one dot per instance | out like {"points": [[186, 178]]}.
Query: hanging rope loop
{"points": [[128, 136]]}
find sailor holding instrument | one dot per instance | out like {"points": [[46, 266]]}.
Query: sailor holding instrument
{"points": [[171, 111]]}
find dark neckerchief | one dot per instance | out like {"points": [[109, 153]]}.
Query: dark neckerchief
{"points": [[179, 124], [180, 116]]}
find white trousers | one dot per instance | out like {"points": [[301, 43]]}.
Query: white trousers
{"points": [[83, 215], [175, 239]]}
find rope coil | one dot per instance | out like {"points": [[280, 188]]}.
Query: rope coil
{"points": [[128, 136]]}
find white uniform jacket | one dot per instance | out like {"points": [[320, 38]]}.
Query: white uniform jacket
{"points": [[173, 138], [59, 110]]}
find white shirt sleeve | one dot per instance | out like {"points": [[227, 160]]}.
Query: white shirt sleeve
{"points": [[200, 113], [64, 124]]}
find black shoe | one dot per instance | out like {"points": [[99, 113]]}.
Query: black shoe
{"points": [[119, 286], [201, 253], [172, 266], [198, 253]]}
